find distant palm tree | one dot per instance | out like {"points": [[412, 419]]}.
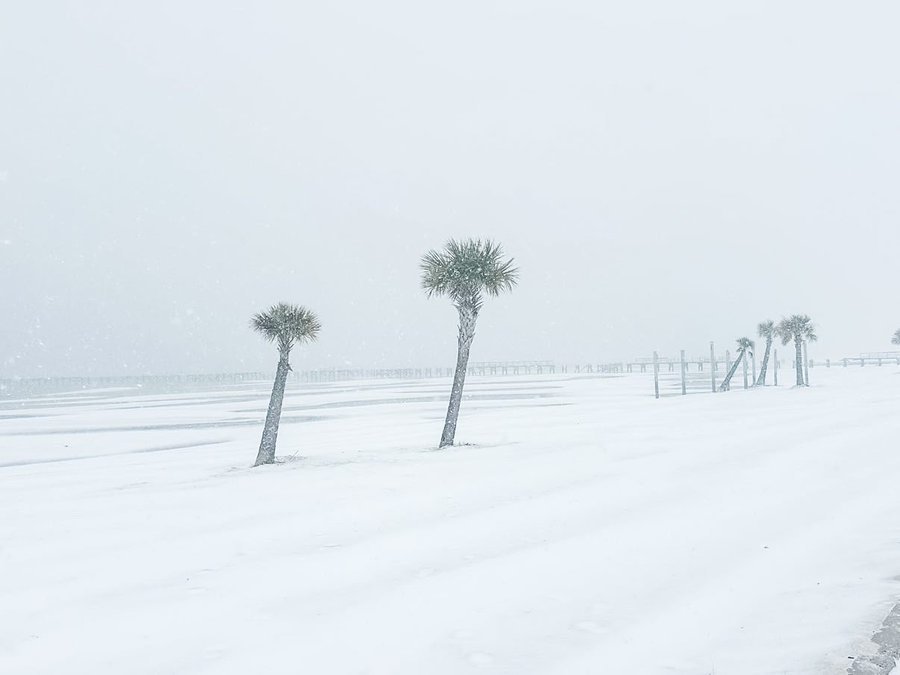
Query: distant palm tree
{"points": [[798, 328], [465, 271], [745, 345], [766, 329], [896, 339], [286, 325]]}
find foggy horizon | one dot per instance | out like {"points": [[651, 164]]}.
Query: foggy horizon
{"points": [[663, 176]]}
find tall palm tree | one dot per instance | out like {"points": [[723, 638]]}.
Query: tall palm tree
{"points": [[896, 339], [286, 325], [766, 329], [798, 328], [745, 345], [465, 271]]}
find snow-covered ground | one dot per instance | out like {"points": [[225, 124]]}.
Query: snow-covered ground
{"points": [[587, 529]]}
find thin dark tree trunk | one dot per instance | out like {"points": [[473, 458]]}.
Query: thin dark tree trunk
{"points": [[467, 319], [798, 344], [266, 453], [761, 380], [726, 383]]}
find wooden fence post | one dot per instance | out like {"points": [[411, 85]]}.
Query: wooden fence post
{"points": [[805, 365], [656, 374], [712, 365], [683, 380]]}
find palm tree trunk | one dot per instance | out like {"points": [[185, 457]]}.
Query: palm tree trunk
{"points": [[467, 319], [726, 383], [761, 380], [798, 344], [266, 453]]}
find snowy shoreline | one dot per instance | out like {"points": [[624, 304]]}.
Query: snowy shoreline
{"points": [[747, 532]]}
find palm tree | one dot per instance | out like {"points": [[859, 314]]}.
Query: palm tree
{"points": [[286, 325], [896, 339], [465, 271], [745, 345], [766, 329], [800, 329]]}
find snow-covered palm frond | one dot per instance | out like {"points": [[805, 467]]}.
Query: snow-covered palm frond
{"points": [[465, 270], [896, 339], [745, 344], [766, 329], [783, 331], [287, 325], [796, 327]]}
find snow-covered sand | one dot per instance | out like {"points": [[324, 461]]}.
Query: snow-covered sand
{"points": [[587, 529]]}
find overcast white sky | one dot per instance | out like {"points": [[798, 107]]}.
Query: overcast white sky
{"points": [[664, 173]]}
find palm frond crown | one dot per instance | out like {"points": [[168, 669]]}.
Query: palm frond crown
{"points": [[766, 329], [796, 327], [896, 339], [745, 344], [466, 270], [287, 325]]}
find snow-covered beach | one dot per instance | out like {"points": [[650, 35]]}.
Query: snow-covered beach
{"points": [[584, 528]]}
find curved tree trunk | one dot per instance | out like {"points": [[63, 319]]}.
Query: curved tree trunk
{"points": [[726, 383], [798, 344], [761, 380], [266, 453], [467, 319]]}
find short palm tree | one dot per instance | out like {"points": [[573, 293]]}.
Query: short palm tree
{"points": [[798, 328], [286, 325], [896, 339], [465, 271], [744, 345], [766, 329]]}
